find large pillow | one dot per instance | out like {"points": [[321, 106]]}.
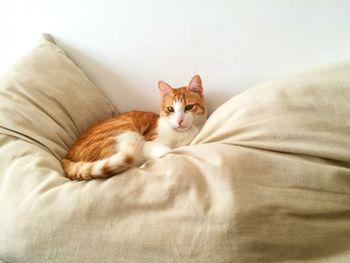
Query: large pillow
{"points": [[47, 100], [305, 114], [266, 180]]}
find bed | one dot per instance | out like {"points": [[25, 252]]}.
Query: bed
{"points": [[266, 180]]}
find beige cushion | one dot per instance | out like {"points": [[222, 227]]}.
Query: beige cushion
{"points": [[267, 179], [47, 100]]}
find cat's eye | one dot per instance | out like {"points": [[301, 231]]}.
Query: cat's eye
{"points": [[189, 107], [170, 109]]}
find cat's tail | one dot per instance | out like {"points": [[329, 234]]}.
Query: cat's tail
{"points": [[127, 156]]}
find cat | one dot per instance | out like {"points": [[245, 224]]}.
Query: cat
{"points": [[129, 139]]}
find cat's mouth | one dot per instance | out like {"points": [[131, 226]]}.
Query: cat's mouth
{"points": [[181, 128]]}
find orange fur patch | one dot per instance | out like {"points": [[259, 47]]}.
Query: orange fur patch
{"points": [[99, 141], [186, 97]]}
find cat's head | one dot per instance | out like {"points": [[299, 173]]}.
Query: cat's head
{"points": [[183, 107]]}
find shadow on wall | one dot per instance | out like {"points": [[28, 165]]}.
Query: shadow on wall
{"points": [[126, 96], [121, 93]]}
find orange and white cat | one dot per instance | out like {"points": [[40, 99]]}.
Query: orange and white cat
{"points": [[131, 138]]}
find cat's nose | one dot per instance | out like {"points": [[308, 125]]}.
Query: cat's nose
{"points": [[180, 122]]}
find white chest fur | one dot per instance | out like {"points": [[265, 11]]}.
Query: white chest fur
{"points": [[167, 139], [172, 138]]}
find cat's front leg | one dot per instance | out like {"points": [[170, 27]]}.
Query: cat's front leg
{"points": [[154, 149]]}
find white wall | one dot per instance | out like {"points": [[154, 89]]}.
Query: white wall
{"points": [[126, 46]]}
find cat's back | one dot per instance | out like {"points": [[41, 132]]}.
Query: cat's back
{"points": [[138, 121], [142, 122], [97, 139]]}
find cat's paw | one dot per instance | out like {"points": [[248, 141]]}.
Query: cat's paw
{"points": [[153, 150], [160, 151]]}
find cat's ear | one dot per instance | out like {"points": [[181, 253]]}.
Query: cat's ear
{"points": [[164, 88], [196, 85]]}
